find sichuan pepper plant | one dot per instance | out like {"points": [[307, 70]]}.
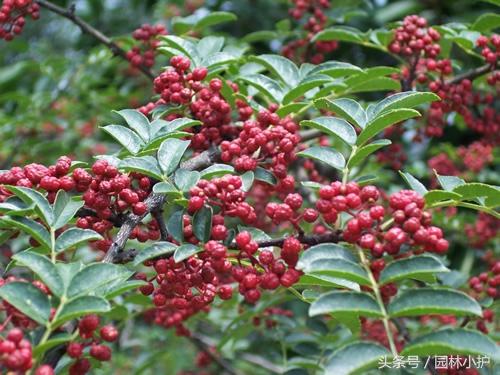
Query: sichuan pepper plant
{"points": [[264, 198]]}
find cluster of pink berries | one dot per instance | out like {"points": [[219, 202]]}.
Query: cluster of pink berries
{"points": [[269, 139], [413, 38], [226, 193], [143, 54], [313, 11], [13, 15], [87, 327]]}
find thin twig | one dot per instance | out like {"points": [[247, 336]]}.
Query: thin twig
{"points": [[90, 30], [472, 74]]}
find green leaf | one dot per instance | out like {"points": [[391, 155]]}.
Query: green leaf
{"points": [[136, 121], [355, 358], [217, 59], [186, 47], [161, 127], [453, 341], [344, 34], [42, 205], [55, 340], [324, 251], [210, 44], [214, 18], [407, 99], [265, 85], [14, 206], [338, 268], [363, 152], [185, 251], [375, 84], [486, 22], [175, 225], [357, 303], [145, 164], [264, 175], [414, 183], [67, 271], [336, 69], [43, 268], [326, 155], [333, 126], [65, 209], [475, 189], [154, 251], [31, 227], [348, 109], [170, 154], [202, 223], [304, 86], [328, 281], [434, 196], [122, 287], [290, 108], [166, 188], [185, 179], [74, 237], [413, 267], [449, 183], [385, 120], [80, 306], [126, 137], [416, 302], [28, 299], [95, 275], [285, 69], [216, 170], [260, 36], [247, 180]]}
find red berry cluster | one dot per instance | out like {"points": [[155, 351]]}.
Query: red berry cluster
{"points": [[373, 330], [110, 193], [37, 176], [183, 289], [269, 139], [179, 87], [272, 271], [476, 109], [289, 211], [413, 38], [490, 48], [487, 283], [144, 53], [226, 194], [408, 225], [484, 229], [87, 327], [13, 15], [15, 352], [313, 12], [476, 156]]}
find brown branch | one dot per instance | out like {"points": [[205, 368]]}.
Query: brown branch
{"points": [[472, 74], [88, 29], [153, 203]]}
